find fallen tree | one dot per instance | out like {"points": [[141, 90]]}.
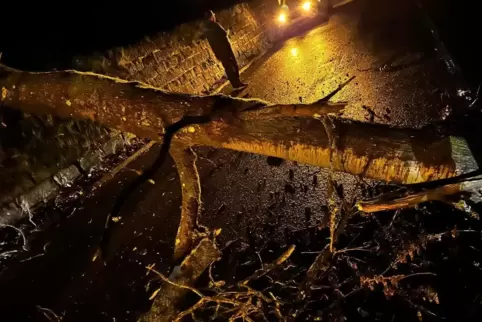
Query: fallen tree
{"points": [[313, 133], [291, 132]]}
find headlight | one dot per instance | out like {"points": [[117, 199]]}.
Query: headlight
{"points": [[306, 5], [282, 18]]}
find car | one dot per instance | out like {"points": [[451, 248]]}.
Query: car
{"points": [[295, 15]]}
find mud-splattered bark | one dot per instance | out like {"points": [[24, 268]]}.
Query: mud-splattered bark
{"points": [[285, 131]]}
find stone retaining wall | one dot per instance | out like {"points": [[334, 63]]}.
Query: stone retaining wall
{"points": [[181, 60]]}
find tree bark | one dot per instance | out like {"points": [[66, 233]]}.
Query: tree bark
{"points": [[185, 159], [286, 131], [442, 193], [374, 151], [183, 277], [128, 106]]}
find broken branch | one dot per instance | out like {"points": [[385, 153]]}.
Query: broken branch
{"points": [[185, 159], [436, 194], [165, 306], [268, 268]]}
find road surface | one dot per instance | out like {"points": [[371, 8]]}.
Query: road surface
{"points": [[398, 76]]}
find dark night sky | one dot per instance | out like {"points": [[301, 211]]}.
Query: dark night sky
{"points": [[460, 24], [53, 31], [33, 33]]}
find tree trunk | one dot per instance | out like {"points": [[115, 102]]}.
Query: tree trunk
{"points": [[127, 106], [374, 151], [286, 131]]}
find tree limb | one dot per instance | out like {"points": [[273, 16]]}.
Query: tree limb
{"points": [[436, 194], [185, 159]]}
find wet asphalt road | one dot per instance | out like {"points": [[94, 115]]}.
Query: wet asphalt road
{"points": [[398, 76]]}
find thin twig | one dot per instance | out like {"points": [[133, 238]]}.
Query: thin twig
{"points": [[32, 257], [25, 243], [339, 88], [418, 274], [49, 314], [397, 212], [26, 209], [165, 279], [361, 249], [8, 253], [269, 267]]}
